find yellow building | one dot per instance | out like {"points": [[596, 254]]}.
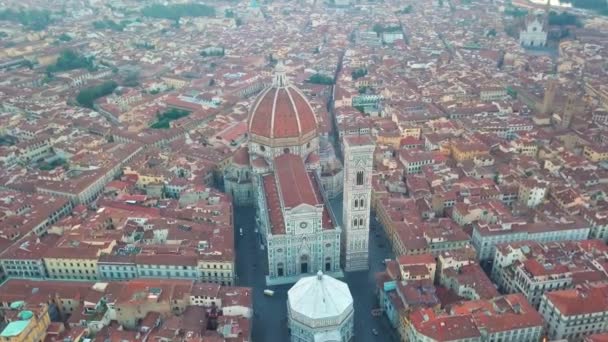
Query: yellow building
{"points": [[467, 151], [75, 262], [410, 131], [144, 180], [389, 138], [595, 153], [27, 325], [174, 81]]}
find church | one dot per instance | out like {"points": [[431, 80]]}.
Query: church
{"points": [[280, 174], [301, 233], [535, 32]]}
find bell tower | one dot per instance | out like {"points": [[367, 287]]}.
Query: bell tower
{"points": [[358, 161]]}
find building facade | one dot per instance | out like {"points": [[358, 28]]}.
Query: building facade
{"points": [[575, 313], [358, 162], [534, 34]]}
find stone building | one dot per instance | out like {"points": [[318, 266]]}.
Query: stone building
{"points": [[320, 308]]}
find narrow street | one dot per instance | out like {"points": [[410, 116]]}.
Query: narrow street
{"points": [[270, 313]]}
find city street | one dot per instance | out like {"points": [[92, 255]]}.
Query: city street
{"points": [[270, 313]]}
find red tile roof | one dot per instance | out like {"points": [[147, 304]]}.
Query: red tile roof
{"points": [[585, 300], [282, 113], [293, 181], [275, 214]]}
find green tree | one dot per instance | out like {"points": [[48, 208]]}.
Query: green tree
{"points": [[108, 25], [163, 120], [70, 60], [86, 97], [563, 19], [64, 37], [34, 19], [132, 79], [358, 73], [321, 79]]}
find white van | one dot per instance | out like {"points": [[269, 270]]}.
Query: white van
{"points": [[269, 293]]}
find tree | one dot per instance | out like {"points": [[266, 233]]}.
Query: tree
{"points": [[358, 73], [406, 10], [64, 37], [491, 33], [28, 64], [320, 79], [34, 19], [165, 118], [108, 25], [70, 60], [563, 19], [378, 28], [87, 96], [132, 79]]}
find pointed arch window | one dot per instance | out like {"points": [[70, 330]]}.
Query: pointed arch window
{"points": [[359, 177]]}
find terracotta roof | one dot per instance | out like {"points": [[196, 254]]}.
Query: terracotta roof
{"points": [[580, 301], [241, 156], [282, 112], [293, 182], [275, 214]]}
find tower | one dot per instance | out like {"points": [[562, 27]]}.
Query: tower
{"points": [[570, 108], [549, 96], [358, 160]]}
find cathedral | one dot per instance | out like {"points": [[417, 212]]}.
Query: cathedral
{"points": [[280, 174]]}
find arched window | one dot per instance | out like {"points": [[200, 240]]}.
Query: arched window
{"points": [[361, 203], [356, 203], [280, 269], [286, 150], [355, 222], [361, 222], [359, 177], [262, 148]]}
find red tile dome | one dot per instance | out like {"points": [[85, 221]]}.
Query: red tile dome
{"points": [[282, 112]]}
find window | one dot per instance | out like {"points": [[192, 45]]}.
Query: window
{"points": [[361, 222], [355, 222], [359, 177]]}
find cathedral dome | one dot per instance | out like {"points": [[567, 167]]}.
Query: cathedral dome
{"points": [[282, 114]]}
